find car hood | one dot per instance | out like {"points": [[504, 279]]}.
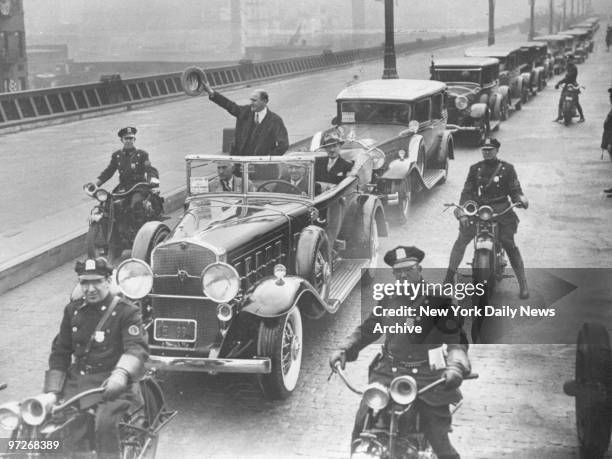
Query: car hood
{"points": [[234, 228], [374, 132], [462, 89]]}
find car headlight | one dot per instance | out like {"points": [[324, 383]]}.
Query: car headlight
{"points": [[485, 213], [220, 282], [376, 396], [461, 102], [101, 195], [9, 416], [134, 278], [403, 390]]}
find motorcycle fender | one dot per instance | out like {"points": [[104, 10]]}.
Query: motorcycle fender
{"points": [[273, 298], [477, 111], [484, 244]]}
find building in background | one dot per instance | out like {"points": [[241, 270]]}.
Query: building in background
{"points": [[13, 60]]}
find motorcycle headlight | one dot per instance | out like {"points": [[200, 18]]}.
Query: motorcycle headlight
{"points": [[101, 195], [461, 102], [376, 396], [134, 278], [9, 416], [485, 213], [403, 390], [220, 282]]}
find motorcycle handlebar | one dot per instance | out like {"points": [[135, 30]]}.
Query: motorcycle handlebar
{"points": [[471, 214], [139, 184], [338, 369], [76, 398]]}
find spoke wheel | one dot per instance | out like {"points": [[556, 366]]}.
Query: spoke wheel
{"points": [[282, 341]]}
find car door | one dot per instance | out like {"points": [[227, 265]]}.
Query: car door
{"points": [[422, 114]]}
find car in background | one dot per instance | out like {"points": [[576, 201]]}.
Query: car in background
{"points": [[556, 51], [225, 291], [475, 103], [405, 120], [511, 73]]}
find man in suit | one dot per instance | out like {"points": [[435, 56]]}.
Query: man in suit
{"points": [[259, 131], [334, 168], [228, 181], [297, 178]]}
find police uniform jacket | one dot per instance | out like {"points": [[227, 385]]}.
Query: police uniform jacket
{"points": [[269, 137], [133, 166], [606, 138], [571, 75], [408, 353], [123, 333], [492, 183]]}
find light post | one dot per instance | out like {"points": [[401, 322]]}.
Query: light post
{"points": [[531, 20], [551, 16], [390, 70], [491, 40]]}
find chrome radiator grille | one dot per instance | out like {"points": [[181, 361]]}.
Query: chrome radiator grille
{"points": [[177, 268]]}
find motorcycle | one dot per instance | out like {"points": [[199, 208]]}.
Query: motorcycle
{"points": [[490, 260], [63, 428], [380, 437], [569, 95], [114, 221]]}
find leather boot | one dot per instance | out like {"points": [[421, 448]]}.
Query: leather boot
{"points": [[516, 260]]}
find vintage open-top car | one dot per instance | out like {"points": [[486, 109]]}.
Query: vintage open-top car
{"points": [[261, 244], [512, 72], [556, 50], [474, 102], [402, 118]]}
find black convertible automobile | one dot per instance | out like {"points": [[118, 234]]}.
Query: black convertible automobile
{"points": [[257, 248]]}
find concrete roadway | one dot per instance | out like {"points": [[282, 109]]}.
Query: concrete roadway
{"points": [[515, 410]]}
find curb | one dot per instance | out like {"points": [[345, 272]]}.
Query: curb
{"points": [[39, 261]]}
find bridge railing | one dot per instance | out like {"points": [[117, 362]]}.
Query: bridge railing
{"points": [[28, 109]]}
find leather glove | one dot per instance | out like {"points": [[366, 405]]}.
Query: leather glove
{"points": [[338, 356], [524, 202], [54, 381], [115, 384], [453, 377], [556, 86], [464, 222]]}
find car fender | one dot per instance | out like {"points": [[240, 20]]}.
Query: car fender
{"points": [[400, 168], [503, 91], [273, 298], [478, 110], [371, 206]]}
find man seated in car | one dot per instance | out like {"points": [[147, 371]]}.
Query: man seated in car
{"points": [[296, 178], [334, 168], [228, 181]]}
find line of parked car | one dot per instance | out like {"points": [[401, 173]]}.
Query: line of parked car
{"points": [[226, 289]]}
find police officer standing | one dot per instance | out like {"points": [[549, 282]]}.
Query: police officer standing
{"points": [[416, 354], [491, 182], [101, 342]]}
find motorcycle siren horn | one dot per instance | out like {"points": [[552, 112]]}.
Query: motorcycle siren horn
{"points": [[9, 416], [193, 79], [403, 390], [376, 396], [101, 195], [470, 208], [34, 410], [89, 188]]}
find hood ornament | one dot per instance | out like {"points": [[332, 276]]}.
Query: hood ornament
{"points": [[182, 275]]}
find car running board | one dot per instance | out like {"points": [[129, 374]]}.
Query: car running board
{"points": [[494, 125], [346, 275], [431, 177]]}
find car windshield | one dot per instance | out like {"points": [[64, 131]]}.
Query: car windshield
{"points": [[374, 112], [457, 75], [251, 177]]}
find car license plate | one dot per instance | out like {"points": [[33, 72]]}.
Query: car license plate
{"points": [[175, 330], [569, 98]]}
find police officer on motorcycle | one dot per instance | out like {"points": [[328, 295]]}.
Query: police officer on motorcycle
{"points": [[571, 75], [101, 342], [411, 353], [133, 165], [491, 182]]}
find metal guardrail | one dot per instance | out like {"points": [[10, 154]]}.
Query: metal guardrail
{"points": [[26, 109]]}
